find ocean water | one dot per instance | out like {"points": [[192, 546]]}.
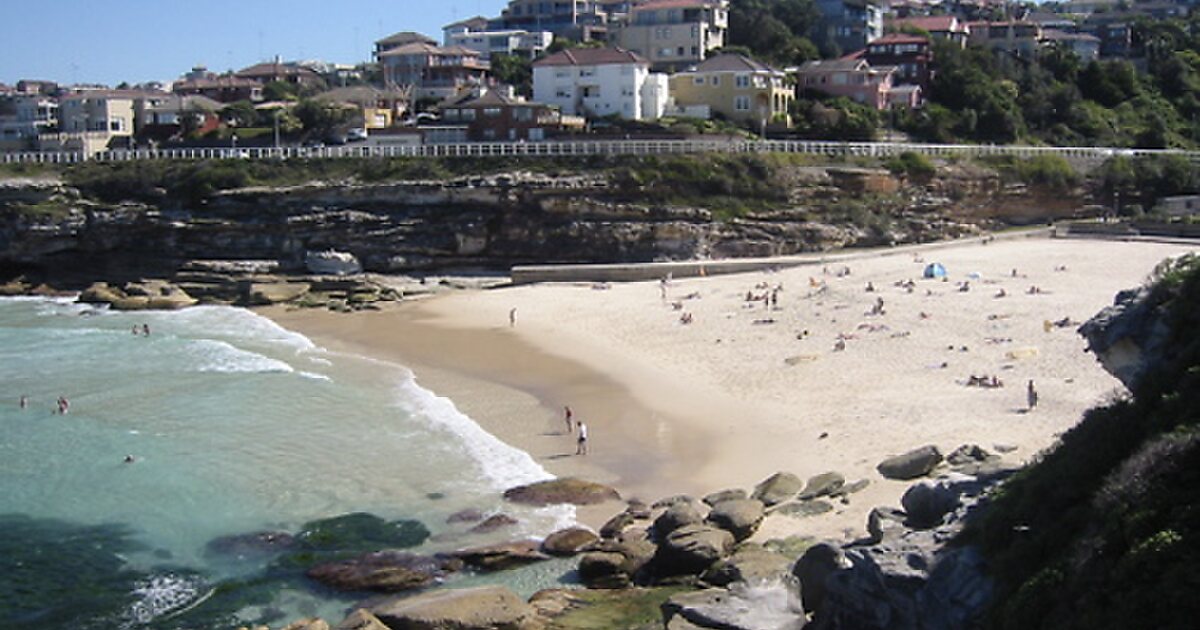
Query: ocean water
{"points": [[235, 426]]}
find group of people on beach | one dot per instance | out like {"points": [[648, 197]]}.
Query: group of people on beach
{"points": [[581, 446]]}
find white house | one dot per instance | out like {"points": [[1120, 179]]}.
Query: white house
{"points": [[598, 82]]}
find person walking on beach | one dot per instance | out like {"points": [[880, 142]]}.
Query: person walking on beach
{"points": [[1031, 395], [512, 317], [581, 441], [567, 417]]}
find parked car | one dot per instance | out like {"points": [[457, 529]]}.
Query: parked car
{"points": [[357, 134]]}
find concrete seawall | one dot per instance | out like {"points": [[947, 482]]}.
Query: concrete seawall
{"points": [[633, 272]]}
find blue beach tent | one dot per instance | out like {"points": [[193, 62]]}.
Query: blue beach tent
{"points": [[935, 270]]}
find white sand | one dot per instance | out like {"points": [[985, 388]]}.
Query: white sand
{"points": [[728, 400]]}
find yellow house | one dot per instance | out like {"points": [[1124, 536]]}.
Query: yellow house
{"points": [[736, 87]]}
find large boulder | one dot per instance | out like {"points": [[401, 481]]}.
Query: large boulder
{"points": [[915, 463], [615, 564], [383, 572], [750, 563], [740, 517], [676, 516], [556, 491], [734, 609], [479, 608], [568, 542], [267, 293], [617, 524], [501, 556], [493, 523], [777, 488], [824, 484], [883, 522], [927, 501], [361, 619], [692, 549], [724, 495], [813, 570]]}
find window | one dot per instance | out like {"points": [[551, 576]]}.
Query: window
{"points": [[523, 114], [742, 81], [562, 93], [665, 52], [741, 103], [562, 73], [626, 91], [679, 51], [698, 80], [468, 114], [452, 114], [716, 80], [489, 134], [587, 72], [491, 112]]}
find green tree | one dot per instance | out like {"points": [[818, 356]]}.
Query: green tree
{"points": [[281, 91], [319, 117], [514, 70], [240, 114]]}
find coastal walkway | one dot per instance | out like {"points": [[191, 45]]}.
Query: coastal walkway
{"points": [[552, 149], [632, 272]]}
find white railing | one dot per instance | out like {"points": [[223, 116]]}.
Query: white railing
{"points": [[592, 147]]}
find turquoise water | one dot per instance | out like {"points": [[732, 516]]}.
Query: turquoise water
{"points": [[235, 426]]}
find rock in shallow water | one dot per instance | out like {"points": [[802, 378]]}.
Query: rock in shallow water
{"points": [[556, 491]]}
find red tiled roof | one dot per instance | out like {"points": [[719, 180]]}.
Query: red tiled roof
{"points": [[899, 38], [590, 57], [930, 24]]}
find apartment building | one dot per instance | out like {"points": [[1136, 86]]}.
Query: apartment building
{"points": [[433, 71], [675, 34], [599, 82]]}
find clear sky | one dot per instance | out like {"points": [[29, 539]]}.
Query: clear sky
{"points": [[110, 41]]}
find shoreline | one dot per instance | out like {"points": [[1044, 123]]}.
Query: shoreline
{"points": [[747, 391]]}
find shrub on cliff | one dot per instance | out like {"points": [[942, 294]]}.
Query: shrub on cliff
{"points": [[1103, 531]]}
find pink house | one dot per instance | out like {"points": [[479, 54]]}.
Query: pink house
{"points": [[853, 78]]}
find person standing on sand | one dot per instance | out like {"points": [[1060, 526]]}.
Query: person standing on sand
{"points": [[567, 417], [1031, 395], [581, 441], [512, 317]]}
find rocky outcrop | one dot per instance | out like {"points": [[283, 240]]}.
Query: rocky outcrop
{"points": [[138, 296], [615, 564], [743, 608], [907, 579], [1130, 335], [740, 517], [568, 542], [361, 619], [676, 516], [558, 491], [915, 463], [777, 488], [692, 549], [501, 556], [824, 484], [480, 608], [750, 563], [383, 572]]}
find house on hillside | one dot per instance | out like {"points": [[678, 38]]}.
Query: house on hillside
{"points": [[848, 24], [1083, 45], [675, 34], [598, 82], [577, 20], [737, 88], [93, 121], [225, 88], [944, 27], [162, 116], [433, 71], [1019, 39], [377, 108], [858, 81], [403, 38], [475, 34], [495, 116], [911, 55], [32, 115], [278, 71]]}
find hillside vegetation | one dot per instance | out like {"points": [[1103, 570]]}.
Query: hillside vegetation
{"points": [[1103, 532]]}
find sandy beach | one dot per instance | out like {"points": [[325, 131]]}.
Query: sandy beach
{"points": [[828, 376]]}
